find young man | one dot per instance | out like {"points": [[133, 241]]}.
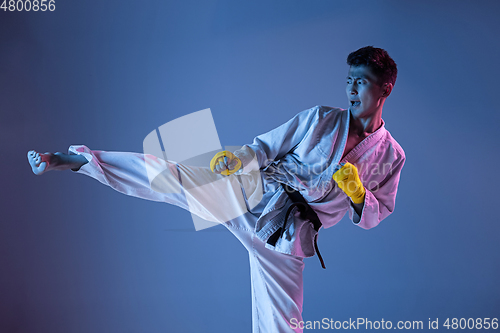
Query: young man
{"points": [[335, 160]]}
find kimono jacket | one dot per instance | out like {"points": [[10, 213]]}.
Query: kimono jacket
{"points": [[304, 153]]}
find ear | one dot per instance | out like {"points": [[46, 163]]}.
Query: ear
{"points": [[387, 89]]}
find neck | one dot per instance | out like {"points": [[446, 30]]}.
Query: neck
{"points": [[364, 126]]}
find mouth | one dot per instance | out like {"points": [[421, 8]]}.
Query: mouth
{"points": [[355, 103]]}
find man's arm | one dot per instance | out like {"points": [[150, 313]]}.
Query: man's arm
{"points": [[275, 144], [267, 147], [379, 202]]}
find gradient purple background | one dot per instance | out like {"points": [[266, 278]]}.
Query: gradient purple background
{"points": [[76, 256]]}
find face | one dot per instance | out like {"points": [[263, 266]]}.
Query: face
{"points": [[365, 96]]}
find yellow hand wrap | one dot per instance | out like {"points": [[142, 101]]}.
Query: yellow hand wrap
{"points": [[348, 180], [231, 160]]}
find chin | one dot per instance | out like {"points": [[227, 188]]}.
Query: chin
{"points": [[356, 112]]}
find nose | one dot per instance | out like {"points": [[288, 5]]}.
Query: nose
{"points": [[351, 89]]}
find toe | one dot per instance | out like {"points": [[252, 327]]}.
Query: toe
{"points": [[41, 167]]}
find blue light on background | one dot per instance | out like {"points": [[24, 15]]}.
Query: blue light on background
{"points": [[76, 256]]}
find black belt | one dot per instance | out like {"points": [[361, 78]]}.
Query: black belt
{"points": [[306, 212]]}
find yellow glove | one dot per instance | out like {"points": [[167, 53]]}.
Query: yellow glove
{"points": [[225, 163], [348, 180]]}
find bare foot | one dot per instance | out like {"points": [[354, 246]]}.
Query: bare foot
{"points": [[41, 163]]}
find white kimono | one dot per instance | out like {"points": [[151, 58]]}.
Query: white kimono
{"points": [[302, 153]]}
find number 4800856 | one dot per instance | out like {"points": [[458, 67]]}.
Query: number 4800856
{"points": [[28, 5]]}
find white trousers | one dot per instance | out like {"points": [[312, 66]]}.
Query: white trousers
{"points": [[276, 278]]}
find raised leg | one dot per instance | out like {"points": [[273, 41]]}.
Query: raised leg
{"points": [[276, 277], [214, 198]]}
